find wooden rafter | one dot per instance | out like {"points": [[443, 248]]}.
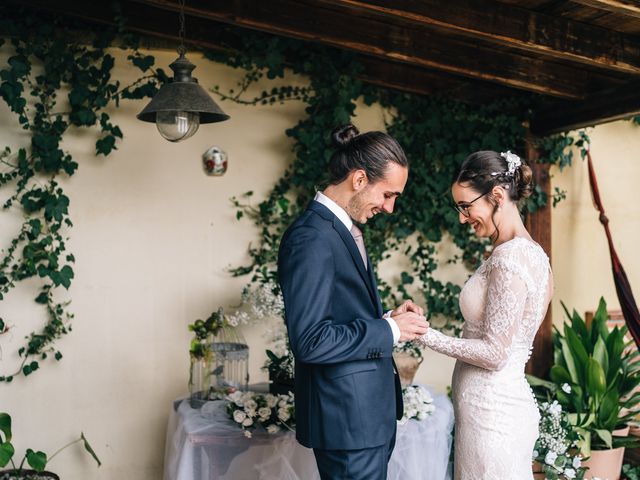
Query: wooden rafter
{"points": [[629, 8], [605, 106], [330, 24], [518, 28]]}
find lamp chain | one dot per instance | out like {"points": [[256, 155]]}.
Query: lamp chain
{"points": [[181, 33]]}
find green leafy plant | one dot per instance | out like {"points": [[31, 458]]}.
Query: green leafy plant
{"points": [[204, 331], [37, 460], [54, 84], [631, 472], [594, 377]]}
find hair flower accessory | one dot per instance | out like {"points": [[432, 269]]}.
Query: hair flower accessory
{"points": [[513, 162]]}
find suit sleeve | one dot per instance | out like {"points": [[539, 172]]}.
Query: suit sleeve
{"points": [[306, 271]]}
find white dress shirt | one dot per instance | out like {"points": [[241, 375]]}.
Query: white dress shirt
{"points": [[344, 217]]}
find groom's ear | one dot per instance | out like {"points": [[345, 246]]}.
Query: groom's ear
{"points": [[359, 179]]}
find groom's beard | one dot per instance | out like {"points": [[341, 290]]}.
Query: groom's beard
{"points": [[357, 206]]}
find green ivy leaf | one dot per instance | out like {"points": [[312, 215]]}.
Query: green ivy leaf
{"points": [[37, 460]]}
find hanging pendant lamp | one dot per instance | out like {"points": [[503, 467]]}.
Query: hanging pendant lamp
{"points": [[181, 105]]}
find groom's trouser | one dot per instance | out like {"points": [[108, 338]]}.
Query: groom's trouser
{"points": [[365, 464]]}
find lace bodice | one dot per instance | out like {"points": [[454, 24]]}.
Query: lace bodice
{"points": [[503, 304]]}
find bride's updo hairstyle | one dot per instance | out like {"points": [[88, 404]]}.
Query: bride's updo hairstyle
{"points": [[486, 169], [370, 151]]}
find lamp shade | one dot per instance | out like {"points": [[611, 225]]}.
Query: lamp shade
{"points": [[183, 94]]}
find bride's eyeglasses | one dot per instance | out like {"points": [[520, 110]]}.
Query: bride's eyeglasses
{"points": [[463, 207]]}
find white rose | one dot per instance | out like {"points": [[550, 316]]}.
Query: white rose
{"points": [[569, 473], [282, 403], [236, 397], [550, 458], [283, 414], [264, 413], [239, 416], [272, 400], [566, 388], [251, 404], [535, 454], [273, 429], [555, 408], [250, 412], [247, 434], [577, 461], [247, 422]]}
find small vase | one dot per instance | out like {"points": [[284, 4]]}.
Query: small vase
{"points": [[407, 367], [606, 464]]}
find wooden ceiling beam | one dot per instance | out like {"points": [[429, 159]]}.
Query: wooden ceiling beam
{"points": [[514, 27], [210, 35], [628, 8], [315, 20], [606, 106]]}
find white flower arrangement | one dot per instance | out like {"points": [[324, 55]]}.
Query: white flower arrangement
{"points": [[418, 403], [262, 301], [555, 446], [250, 409]]}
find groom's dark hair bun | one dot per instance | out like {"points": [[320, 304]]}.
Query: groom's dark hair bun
{"points": [[342, 136], [369, 151]]}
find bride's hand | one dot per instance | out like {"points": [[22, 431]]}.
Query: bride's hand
{"points": [[408, 306]]}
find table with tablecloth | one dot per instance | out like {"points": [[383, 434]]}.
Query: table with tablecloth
{"points": [[205, 444]]}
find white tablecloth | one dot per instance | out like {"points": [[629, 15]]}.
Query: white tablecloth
{"points": [[204, 444]]}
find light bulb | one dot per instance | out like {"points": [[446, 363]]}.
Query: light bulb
{"points": [[177, 126]]}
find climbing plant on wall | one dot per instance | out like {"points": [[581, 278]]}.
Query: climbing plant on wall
{"points": [[56, 78], [437, 134]]}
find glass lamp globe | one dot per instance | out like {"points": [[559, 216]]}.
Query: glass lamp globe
{"points": [[176, 126]]}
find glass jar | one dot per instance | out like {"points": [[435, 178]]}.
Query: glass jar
{"points": [[200, 380]]}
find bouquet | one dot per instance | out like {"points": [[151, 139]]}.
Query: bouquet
{"points": [[250, 409], [418, 403], [556, 444]]}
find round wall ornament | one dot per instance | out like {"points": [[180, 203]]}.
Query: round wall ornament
{"points": [[214, 161]]}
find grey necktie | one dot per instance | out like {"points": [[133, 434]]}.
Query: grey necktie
{"points": [[356, 233]]}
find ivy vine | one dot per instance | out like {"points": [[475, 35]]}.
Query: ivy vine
{"points": [[57, 77], [436, 133]]}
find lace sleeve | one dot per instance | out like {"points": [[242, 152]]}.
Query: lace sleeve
{"points": [[506, 295]]}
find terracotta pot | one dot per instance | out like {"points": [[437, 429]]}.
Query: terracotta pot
{"points": [[538, 474], [27, 475], [606, 464], [407, 367]]}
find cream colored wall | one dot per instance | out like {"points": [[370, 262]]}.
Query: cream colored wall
{"points": [[153, 238], [581, 262]]}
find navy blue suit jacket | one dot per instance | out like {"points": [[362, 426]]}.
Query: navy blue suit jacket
{"points": [[347, 392]]}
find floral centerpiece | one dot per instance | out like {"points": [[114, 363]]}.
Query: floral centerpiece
{"points": [[556, 448], [418, 403], [272, 412]]}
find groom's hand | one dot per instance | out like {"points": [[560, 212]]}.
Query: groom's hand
{"points": [[411, 324], [408, 306]]}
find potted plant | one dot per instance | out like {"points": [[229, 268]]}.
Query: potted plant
{"points": [[408, 357], [594, 378], [37, 460]]}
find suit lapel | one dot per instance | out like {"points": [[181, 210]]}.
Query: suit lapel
{"points": [[374, 287], [350, 243]]}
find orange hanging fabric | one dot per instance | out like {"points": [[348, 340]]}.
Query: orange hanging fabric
{"points": [[623, 287]]}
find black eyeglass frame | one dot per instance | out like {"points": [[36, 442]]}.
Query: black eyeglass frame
{"points": [[464, 208]]}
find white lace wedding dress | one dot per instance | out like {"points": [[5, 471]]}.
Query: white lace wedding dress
{"points": [[503, 303]]}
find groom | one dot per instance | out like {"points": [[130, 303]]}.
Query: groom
{"points": [[348, 394]]}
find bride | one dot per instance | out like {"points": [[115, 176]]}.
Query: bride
{"points": [[503, 303]]}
